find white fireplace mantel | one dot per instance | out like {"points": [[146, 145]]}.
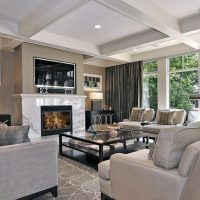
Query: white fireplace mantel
{"points": [[27, 110]]}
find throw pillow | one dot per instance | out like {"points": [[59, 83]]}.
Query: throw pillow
{"points": [[165, 118], [179, 117], [171, 143], [3, 128], [137, 114], [14, 135]]}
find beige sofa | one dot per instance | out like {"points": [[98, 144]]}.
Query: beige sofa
{"points": [[178, 119], [146, 114], [28, 170], [173, 174]]}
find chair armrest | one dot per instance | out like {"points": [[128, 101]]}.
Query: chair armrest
{"points": [[129, 176], [27, 168]]}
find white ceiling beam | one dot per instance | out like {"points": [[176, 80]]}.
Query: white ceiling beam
{"points": [[61, 43], [148, 13], [8, 27], [162, 52], [100, 62], [48, 12], [130, 42], [70, 43], [9, 44], [123, 57], [118, 59]]}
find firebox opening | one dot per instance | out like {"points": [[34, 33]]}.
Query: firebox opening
{"points": [[55, 119]]}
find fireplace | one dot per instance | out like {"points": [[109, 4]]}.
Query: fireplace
{"points": [[56, 119]]}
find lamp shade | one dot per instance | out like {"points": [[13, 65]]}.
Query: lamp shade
{"points": [[96, 95]]}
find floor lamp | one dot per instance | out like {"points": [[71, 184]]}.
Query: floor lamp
{"points": [[96, 98]]}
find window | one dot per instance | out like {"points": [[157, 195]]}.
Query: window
{"points": [[150, 82], [183, 80]]}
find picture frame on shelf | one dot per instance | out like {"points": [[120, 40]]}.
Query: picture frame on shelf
{"points": [[92, 82]]}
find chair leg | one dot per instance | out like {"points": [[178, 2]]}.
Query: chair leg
{"points": [[54, 191], [105, 197]]}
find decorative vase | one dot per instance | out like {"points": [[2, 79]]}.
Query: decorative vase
{"points": [[112, 133]]}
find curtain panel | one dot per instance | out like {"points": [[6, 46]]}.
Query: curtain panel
{"points": [[124, 88]]}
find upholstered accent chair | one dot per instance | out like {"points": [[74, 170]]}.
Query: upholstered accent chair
{"points": [[172, 174], [28, 170]]}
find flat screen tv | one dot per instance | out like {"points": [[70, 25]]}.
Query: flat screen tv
{"points": [[54, 74]]}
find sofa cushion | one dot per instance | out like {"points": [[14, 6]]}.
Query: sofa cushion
{"points": [[155, 128], [149, 115], [13, 135], [165, 118], [104, 170], [135, 126], [189, 159], [171, 144], [137, 114], [3, 128], [157, 113], [179, 117]]}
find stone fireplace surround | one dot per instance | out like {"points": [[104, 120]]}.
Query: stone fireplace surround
{"points": [[27, 110]]}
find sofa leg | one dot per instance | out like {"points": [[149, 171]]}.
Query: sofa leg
{"points": [[54, 191], [105, 197]]}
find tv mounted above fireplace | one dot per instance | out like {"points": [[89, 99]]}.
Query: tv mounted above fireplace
{"points": [[54, 74]]}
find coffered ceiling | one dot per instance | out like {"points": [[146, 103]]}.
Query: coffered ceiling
{"points": [[128, 27]]}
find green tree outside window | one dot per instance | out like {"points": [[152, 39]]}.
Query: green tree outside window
{"points": [[183, 80], [150, 81]]}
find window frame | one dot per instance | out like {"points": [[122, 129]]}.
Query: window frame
{"points": [[148, 74], [197, 69]]}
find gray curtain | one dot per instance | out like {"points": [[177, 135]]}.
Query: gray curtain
{"points": [[124, 88]]}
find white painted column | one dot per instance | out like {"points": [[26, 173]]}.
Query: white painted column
{"points": [[163, 83], [199, 83]]}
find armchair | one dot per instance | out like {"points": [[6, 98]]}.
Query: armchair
{"points": [[172, 174], [28, 170]]}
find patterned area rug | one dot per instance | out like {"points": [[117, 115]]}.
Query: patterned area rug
{"points": [[75, 182]]}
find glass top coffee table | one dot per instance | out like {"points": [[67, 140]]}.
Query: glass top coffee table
{"points": [[100, 144]]}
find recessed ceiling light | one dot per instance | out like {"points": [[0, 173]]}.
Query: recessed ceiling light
{"points": [[97, 26], [135, 49]]}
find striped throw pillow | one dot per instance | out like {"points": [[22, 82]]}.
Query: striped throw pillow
{"points": [[137, 114], [166, 118]]}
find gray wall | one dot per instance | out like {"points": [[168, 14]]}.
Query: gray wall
{"points": [[7, 83], [98, 71], [17, 72], [24, 64]]}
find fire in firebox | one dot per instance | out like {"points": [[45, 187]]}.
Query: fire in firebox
{"points": [[55, 119]]}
